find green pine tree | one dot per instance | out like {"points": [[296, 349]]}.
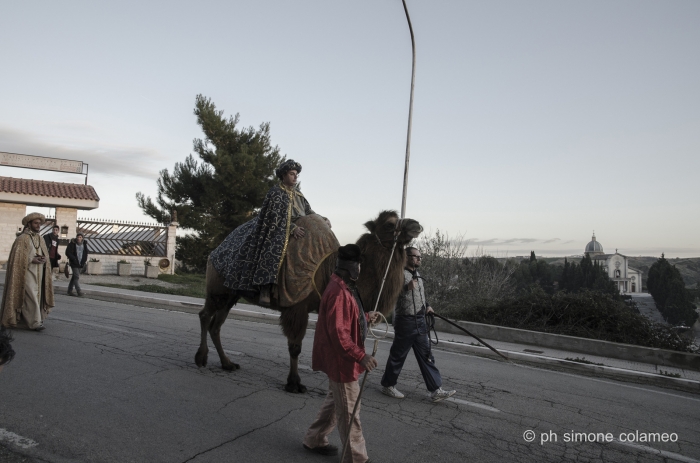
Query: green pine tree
{"points": [[667, 287], [221, 190]]}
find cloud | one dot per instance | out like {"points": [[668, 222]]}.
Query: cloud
{"points": [[499, 241], [478, 242], [103, 158], [520, 241]]}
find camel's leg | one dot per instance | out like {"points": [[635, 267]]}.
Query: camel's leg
{"points": [[218, 299], [215, 332], [205, 316], [294, 321]]}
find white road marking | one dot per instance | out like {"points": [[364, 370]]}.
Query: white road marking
{"points": [[97, 325], [17, 440], [473, 404], [661, 453], [235, 352]]}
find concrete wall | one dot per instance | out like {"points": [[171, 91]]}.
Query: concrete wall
{"points": [[170, 249], [11, 216], [67, 216]]}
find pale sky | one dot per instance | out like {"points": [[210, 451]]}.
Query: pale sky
{"points": [[535, 123]]}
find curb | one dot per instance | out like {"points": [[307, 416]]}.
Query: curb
{"points": [[599, 371]]}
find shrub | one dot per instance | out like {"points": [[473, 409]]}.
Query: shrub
{"points": [[454, 281], [587, 314]]}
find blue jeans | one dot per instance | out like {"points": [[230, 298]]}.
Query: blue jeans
{"points": [[411, 333], [74, 279]]}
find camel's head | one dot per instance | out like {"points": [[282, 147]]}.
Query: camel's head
{"points": [[385, 225]]}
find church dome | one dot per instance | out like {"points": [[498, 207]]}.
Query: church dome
{"points": [[594, 245]]}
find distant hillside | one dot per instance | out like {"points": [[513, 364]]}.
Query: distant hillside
{"points": [[689, 267]]}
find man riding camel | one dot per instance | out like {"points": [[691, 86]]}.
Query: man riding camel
{"points": [[249, 259]]}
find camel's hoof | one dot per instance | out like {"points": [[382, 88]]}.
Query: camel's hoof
{"points": [[295, 388], [200, 359], [230, 366]]}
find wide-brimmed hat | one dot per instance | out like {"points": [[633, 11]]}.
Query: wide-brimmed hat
{"points": [[33, 216], [289, 164]]}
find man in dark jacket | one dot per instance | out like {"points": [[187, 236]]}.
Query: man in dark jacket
{"points": [[51, 240], [77, 253]]}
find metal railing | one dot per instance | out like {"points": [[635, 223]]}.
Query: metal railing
{"points": [[124, 238], [48, 226]]}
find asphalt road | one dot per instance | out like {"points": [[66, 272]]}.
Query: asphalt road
{"points": [[109, 382]]}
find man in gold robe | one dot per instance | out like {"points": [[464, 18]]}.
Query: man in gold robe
{"points": [[28, 293]]}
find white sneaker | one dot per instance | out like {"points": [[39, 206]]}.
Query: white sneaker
{"points": [[391, 391], [440, 394]]}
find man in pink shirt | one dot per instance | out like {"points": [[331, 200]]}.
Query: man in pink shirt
{"points": [[339, 351]]}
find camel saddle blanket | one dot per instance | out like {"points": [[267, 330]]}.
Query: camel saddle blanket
{"points": [[295, 281], [251, 255]]}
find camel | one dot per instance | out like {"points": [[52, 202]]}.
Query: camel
{"points": [[376, 247]]}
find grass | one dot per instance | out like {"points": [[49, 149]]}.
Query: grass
{"points": [[672, 375], [191, 285], [583, 360]]}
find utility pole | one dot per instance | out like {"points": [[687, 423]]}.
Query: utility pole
{"points": [[410, 114]]}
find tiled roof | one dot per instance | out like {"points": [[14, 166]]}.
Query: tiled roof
{"points": [[47, 189]]}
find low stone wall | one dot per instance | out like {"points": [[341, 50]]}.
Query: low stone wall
{"points": [[109, 263], [669, 358]]}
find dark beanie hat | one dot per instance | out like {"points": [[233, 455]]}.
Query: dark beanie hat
{"points": [[350, 252]]}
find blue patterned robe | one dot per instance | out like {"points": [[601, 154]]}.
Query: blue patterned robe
{"points": [[251, 255]]}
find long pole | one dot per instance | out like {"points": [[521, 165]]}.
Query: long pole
{"points": [[470, 334], [410, 114]]}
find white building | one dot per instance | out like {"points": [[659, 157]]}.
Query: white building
{"points": [[627, 279]]}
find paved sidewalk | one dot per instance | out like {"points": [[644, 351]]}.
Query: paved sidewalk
{"points": [[521, 353]]}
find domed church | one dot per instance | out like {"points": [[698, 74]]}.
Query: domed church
{"points": [[627, 279]]}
